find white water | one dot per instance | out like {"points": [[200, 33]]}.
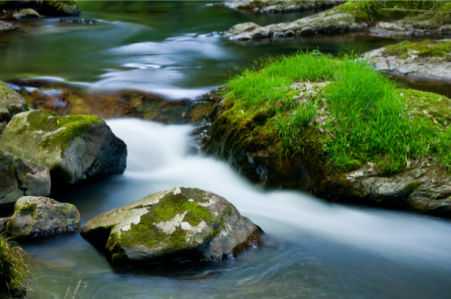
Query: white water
{"points": [[158, 155]]}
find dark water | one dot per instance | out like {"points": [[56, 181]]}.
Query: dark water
{"points": [[313, 249]]}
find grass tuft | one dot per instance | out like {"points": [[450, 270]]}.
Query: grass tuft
{"points": [[13, 269], [367, 118]]}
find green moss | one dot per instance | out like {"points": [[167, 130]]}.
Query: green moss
{"points": [[13, 269], [359, 117], [373, 10], [148, 234], [426, 48], [64, 128]]}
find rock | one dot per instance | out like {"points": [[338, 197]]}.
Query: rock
{"points": [[79, 21], [409, 63], [19, 177], [170, 226], [26, 13], [5, 26], [3, 222], [73, 147], [277, 6], [41, 217], [424, 187], [328, 22], [11, 103]]}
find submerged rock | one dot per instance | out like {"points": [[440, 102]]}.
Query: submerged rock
{"points": [[19, 177], [11, 103], [65, 99], [171, 226], [41, 217], [429, 60], [74, 147], [5, 26]]}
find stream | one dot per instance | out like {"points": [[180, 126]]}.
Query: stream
{"points": [[312, 248]]}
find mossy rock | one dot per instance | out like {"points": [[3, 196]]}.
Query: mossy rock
{"points": [[172, 226], [19, 177], [42, 217], [11, 103], [74, 147]]}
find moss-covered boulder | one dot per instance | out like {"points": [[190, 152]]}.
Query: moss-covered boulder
{"points": [[20, 177], [427, 60], [335, 128], [74, 147], [11, 103], [171, 226], [42, 217]]}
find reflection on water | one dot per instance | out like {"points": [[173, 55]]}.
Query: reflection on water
{"points": [[313, 248], [173, 48]]}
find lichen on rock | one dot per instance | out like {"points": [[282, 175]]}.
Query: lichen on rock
{"points": [[42, 217], [171, 226]]}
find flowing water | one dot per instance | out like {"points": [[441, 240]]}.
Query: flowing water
{"points": [[312, 249]]}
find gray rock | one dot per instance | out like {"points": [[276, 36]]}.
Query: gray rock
{"points": [[73, 147], [170, 226], [41, 217], [19, 178], [328, 22], [414, 66], [424, 187], [277, 6]]}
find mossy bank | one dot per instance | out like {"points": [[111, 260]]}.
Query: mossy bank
{"points": [[380, 18], [335, 128]]}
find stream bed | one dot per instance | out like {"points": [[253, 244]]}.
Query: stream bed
{"points": [[313, 249]]}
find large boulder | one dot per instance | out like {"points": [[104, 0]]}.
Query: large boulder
{"points": [[11, 103], [19, 178], [173, 225], [73, 147], [41, 217]]}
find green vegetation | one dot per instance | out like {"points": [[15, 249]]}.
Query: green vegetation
{"points": [[372, 10], [357, 117], [426, 48], [13, 269], [74, 125]]}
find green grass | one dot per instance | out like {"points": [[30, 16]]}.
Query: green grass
{"points": [[368, 118], [13, 269], [372, 10], [426, 48]]}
